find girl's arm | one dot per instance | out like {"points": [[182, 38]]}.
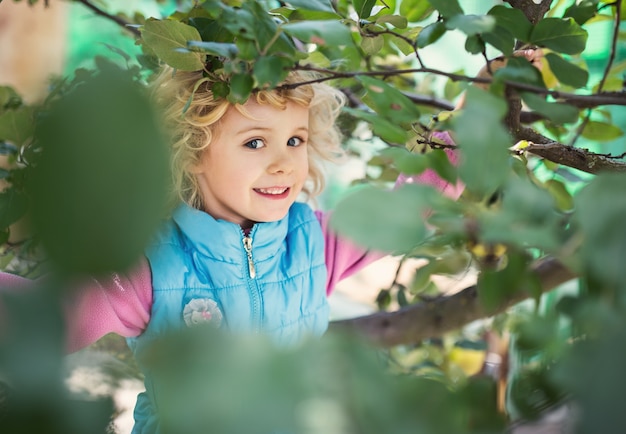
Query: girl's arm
{"points": [[344, 258], [118, 303]]}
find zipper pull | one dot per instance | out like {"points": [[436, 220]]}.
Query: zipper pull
{"points": [[247, 245]]}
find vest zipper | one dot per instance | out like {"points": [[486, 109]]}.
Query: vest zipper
{"points": [[247, 245], [254, 290]]}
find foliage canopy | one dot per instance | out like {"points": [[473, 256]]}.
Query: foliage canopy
{"points": [[541, 205]]}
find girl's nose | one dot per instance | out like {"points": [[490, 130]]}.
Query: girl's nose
{"points": [[282, 161]]}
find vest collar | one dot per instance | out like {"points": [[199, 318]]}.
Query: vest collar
{"points": [[223, 240]]}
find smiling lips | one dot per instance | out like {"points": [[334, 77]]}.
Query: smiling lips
{"points": [[273, 192]]}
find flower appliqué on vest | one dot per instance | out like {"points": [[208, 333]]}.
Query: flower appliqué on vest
{"points": [[202, 311]]}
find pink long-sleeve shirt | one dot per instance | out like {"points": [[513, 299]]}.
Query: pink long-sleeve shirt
{"points": [[121, 303]]}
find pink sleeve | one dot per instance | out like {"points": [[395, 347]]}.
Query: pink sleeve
{"points": [[343, 258], [119, 303]]}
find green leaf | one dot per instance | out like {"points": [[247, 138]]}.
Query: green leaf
{"points": [[269, 71], [318, 59], [474, 44], [566, 72], [520, 70], [484, 164], [612, 83], [305, 15], [383, 128], [388, 8], [501, 39], [324, 33], [604, 355], [99, 187], [240, 88], [406, 162], [220, 89], [453, 88], [495, 287], [440, 163], [253, 23], [512, 20], [560, 35], [447, 8], [13, 205], [388, 221], [411, 34], [430, 34], [242, 23], [211, 30], [558, 112], [558, 190], [16, 126], [600, 217], [601, 131], [168, 39], [416, 10], [313, 5], [471, 24], [248, 49], [530, 210], [7, 258], [372, 44], [583, 11], [398, 21], [389, 102], [220, 49], [363, 8]]}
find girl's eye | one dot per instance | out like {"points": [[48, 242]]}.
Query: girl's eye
{"points": [[255, 144], [295, 141]]}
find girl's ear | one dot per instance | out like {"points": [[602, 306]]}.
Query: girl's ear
{"points": [[195, 168]]}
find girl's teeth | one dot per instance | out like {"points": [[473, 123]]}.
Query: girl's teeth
{"points": [[273, 190]]}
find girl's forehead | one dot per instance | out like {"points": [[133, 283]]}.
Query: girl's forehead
{"points": [[255, 115], [256, 111]]}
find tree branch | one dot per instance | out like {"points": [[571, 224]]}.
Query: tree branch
{"points": [[580, 101], [533, 11], [417, 322], [577, 158], [117, 20]]}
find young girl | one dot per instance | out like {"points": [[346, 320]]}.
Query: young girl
{"points": [[240, 252]]}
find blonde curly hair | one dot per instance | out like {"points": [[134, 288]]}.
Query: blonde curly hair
{"points": [[192, 113]]}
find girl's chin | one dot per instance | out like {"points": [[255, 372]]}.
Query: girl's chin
{"points": [[270, 217]]}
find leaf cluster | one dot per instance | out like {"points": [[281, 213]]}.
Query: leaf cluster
{"points": [[88, 167]]}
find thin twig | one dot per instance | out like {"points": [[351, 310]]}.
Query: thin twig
{"points": [[580, 101], [607, 69], [114, 18]]}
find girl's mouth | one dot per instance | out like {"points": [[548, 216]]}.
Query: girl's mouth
{"points": [[273, 192]]}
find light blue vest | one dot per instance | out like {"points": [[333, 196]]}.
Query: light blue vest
{"points": [[207, 271]]}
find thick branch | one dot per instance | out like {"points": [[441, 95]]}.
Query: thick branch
{"points": [[417, 322], [533, 11], [577, 158]]}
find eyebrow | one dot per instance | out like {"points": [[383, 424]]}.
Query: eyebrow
{"points": [[262, 128]]}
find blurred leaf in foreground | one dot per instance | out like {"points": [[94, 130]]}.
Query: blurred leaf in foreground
{"points": [[99, 188]]}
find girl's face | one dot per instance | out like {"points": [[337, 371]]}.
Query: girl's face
{"points": [[254, 169]]}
